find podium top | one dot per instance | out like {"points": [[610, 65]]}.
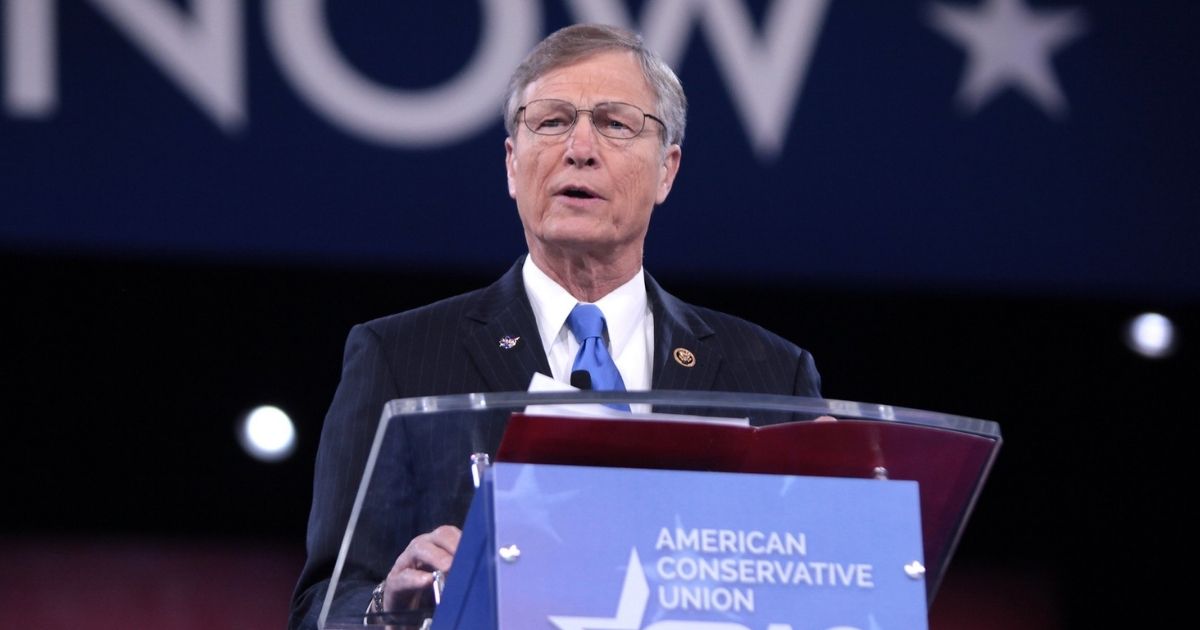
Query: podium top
{"points": [[692, 400], [417, 474]]}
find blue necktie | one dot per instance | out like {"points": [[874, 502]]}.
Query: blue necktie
{"points": [[587, 324]]}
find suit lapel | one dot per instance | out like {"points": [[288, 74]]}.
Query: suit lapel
{"points": [[682, 358], [501, 335], [502, 313]]}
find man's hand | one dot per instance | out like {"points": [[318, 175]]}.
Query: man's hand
{"points": [[413, 571]]}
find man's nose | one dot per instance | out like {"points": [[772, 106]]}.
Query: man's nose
{"points": [[581, 142]]}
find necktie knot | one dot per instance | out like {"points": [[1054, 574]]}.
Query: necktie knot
{"points": [[587, 324], [586, 321]]}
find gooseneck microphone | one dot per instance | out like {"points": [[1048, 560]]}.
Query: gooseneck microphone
{"points": [[581, 379]]}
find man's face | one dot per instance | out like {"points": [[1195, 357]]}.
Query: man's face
{"points": [[583, 192]]}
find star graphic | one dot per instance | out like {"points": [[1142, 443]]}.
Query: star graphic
{"points": [[531, 505], [635, 593], [1009, 45]]}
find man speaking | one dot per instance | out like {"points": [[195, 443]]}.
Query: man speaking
{"points": [[595, 122]]}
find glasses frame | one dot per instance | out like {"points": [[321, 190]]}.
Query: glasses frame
{"points": [[591, 115]]}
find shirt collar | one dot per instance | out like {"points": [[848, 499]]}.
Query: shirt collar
{"points": [[624, 308]]}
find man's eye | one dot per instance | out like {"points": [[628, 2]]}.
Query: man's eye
{"points": [[616, 124], [552, 123]]}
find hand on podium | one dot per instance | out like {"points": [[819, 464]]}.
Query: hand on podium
{"points": [[413, 572]]}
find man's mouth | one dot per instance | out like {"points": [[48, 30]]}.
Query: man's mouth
{"points": [[577, 192]]}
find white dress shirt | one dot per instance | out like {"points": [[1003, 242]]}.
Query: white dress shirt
{"points": [[629, 326]]}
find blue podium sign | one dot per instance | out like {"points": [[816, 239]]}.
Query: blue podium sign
{"points": [[580, 548]]}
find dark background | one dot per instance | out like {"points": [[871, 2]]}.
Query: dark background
{"points": [[129, 377], [160, 278]]}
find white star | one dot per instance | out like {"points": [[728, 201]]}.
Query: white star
{"points": [[531, 505], [1009, 45], [635, 593]]}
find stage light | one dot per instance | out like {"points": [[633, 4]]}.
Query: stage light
{"points": [[1151, 335], [267, 434]]}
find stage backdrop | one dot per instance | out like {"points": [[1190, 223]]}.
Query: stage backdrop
{"points": [[1010, 145]]}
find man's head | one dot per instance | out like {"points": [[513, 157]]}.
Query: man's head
{"points": [[582, 189], [575, 43]]}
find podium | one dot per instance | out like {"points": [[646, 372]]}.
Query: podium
{"points": [[720, 511]]}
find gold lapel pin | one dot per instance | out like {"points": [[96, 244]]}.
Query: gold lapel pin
{"points": [[509, 342], [684, 357]]}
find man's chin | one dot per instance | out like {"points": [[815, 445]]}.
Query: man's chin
{"points": [[582, 243], [577, 231], [584, 236]]}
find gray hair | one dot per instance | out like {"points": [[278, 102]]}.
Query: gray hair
{"points": [[580, 41]]}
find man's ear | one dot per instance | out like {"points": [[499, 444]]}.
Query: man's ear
{"points": [[668, 170], [510, 165]]}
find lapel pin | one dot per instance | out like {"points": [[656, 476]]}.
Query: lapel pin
{"points": [[509, 342], [684, 357]]}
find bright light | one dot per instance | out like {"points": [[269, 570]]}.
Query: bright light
{"points": [[267, 434], [1151, 335]]}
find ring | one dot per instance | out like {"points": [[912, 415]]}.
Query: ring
{"points": [[438, 581]]}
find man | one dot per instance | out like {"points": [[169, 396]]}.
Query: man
{"points": [[595, 123]]}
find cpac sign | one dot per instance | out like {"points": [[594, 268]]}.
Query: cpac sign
{"points": [[749, 552], [635, 593], [203, 51]]}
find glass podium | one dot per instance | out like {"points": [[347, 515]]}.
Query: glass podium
{"points": [[431, 456]]}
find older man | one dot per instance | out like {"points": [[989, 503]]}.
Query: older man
{"points": [[595, 122]]}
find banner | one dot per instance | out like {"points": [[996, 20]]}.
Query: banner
{"points": [[997, 145]]}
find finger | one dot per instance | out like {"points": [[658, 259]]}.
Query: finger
{"points": [[423, 554], [434, 550], [447, 537], [409, 579]]}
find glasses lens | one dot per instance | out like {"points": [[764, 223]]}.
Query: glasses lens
{"points": [[618, 120], [549, 117], [552, 117]]}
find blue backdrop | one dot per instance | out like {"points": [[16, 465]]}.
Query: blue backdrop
{"points": [[1007, 145]]}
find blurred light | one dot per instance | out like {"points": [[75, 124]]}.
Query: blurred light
{"points": [[267, 434], [1151, 335]]}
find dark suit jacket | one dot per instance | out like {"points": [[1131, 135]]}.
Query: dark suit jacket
{"points": [[421, 479]]}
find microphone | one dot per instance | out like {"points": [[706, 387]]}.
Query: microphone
{"points": [[581, 379]]}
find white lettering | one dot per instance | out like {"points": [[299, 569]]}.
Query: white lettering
{"points": [[665, 541], [864, 577], [203, 54], [764, 574], [844, 574], [728, 541], [444, 114], [200, 47], [687, 539], [665, 567], [802, 575], [788, 545], [732, 541], [764, 75], [719, 598], [750, 571], [819, 570], [30, 68]]}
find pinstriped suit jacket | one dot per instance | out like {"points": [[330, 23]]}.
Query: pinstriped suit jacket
{"points": [[451, 347]]}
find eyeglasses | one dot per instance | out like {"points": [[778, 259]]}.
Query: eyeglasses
{"points": [[553, 117]]}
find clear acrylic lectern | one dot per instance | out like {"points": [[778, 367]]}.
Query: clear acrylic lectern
{"points": [[749, 491]]}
